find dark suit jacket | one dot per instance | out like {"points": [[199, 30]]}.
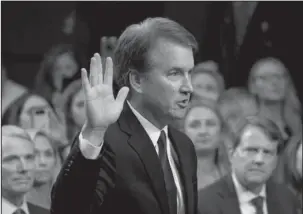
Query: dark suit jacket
{"points": [[273, 30], [127, 177], [221, 198], [34, 209]]}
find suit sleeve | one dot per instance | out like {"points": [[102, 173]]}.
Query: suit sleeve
{"points": [[82, 183]]}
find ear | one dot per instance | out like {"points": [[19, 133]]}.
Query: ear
{"points": [[135, 80], [230, 153]]}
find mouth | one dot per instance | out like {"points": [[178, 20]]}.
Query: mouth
{"points": [[183, 104], [23, 180], [256, 170]]}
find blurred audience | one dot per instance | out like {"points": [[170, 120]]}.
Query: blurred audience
{"points": [[18, 167], [270, 81], [61, 65], [33, 111], [235, 104], [249, 187], [73, 108], [291, 167], [47, 168], [207, 81], [10, 90], [204, 126]]}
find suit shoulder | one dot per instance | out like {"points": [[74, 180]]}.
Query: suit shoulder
{"points": [[35, 209], [213, 189]]}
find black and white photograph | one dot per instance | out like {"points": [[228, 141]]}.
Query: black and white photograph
{"points": [[151, 107]]}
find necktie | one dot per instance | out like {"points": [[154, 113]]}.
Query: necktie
{"points": [[170, 185], [258, 204], [19, 211]]}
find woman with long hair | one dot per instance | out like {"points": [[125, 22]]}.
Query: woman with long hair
{"points": [[204, 126], [61, 65], [271, 83], [48, 164]]}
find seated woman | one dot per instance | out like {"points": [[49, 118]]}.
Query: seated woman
{"points": [[204, 126], [73, 108], [47, 168], [270, 81], [31, 111], [207, 81], [61, 65]]}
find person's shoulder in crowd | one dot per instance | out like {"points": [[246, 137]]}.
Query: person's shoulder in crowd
{"points": [[34, 209]]}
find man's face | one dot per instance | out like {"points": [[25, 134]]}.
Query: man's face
{"points": [[255, 158], [18, 165], [167, 84]]}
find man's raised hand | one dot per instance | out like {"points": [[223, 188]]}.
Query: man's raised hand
{"points": [[102, 109]]}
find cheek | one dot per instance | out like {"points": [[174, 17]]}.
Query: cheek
{"points": [[191, 133], [7, 172]]}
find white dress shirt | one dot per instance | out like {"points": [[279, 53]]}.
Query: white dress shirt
{"points": [[9, 208], [245, 197], [90, 151]]}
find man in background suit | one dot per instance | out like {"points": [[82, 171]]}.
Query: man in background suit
{"points": [[18, 165], [135, 162], [239, 33], [249, 188]]}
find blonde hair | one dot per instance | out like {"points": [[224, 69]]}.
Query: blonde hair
{"points": [[292, 106]]}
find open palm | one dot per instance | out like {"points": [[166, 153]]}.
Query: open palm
{"points": [[102, 109]]}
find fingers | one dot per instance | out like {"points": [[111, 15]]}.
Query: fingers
{"points": [[122, 94], [85, 82], [93, 75], [99, 67], [108, 75]]}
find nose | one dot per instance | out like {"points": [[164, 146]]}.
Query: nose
{"points": [[187, 86], [41, 161], [203, 130], [24, 165], [259, 158]]}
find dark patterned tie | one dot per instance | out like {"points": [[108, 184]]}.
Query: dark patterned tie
{"points": [[171, 188], [19, 211], [258, 204]]}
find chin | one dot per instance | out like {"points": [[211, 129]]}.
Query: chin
{"points": [[23, 188], [42, 180]]}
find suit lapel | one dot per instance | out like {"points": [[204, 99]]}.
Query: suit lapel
{"points": [[272, 199], [230, 198], [143, 146]]}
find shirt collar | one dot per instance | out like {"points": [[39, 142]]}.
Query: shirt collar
{"points": [[243, 194], [9, 208], [152, 131]]}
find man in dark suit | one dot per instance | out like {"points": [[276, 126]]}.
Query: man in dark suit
{"points": [[135, 162], [249, 188], [18, 165]]}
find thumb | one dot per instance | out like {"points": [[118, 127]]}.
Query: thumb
{"points": [[122, 94]]}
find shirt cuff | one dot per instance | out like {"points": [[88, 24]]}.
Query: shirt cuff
{"points": [[88, 150]]}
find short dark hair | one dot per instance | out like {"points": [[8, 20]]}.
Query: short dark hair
{"points": [[269, 128], [137, 39]]}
